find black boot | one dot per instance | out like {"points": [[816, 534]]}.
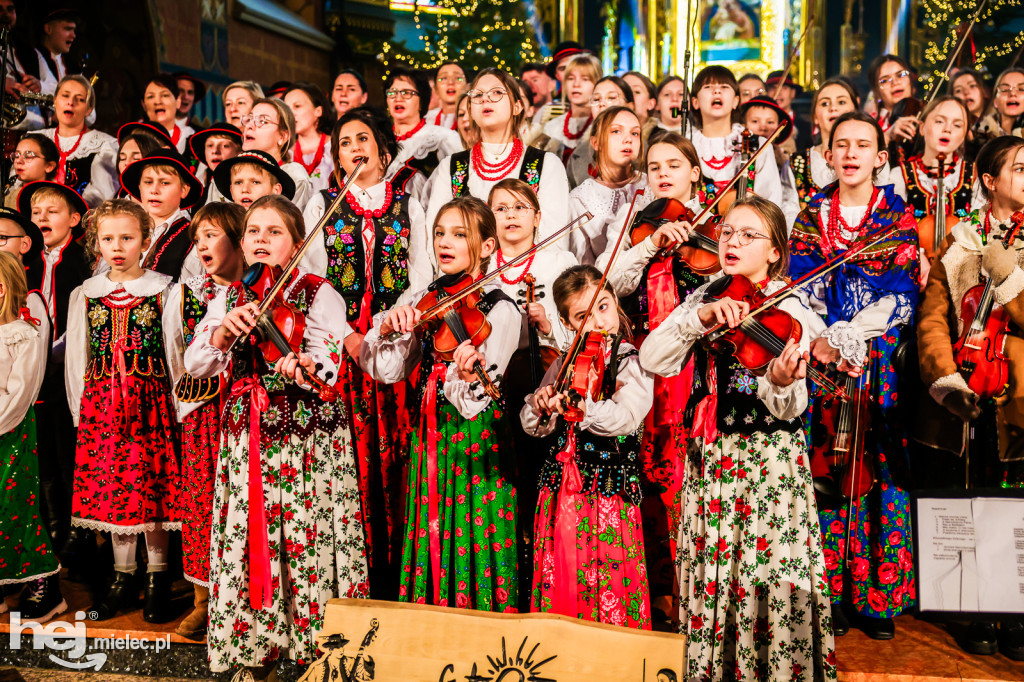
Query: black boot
{"points": [[877, 628], [123, 595], [1011, 640], [79, 554], [840, 623], [981, 638], [42, 600], [156, 607]]}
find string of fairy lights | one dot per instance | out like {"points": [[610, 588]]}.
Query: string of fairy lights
{"points": [[479, 22], [945, 15]]}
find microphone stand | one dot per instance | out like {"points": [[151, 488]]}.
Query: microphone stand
{"points": [[686, 70], [5, 46]]}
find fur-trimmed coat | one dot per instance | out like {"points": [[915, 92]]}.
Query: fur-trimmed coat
{"points": [[957, 268]]}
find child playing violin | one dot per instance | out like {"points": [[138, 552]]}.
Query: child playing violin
{"points": [[287, 529], [865, 303], [651, 284], [460, 536], [587, 519], [751, 564], [973, 253]]}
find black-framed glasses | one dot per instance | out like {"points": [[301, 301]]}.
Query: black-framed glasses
{"points": [[5, 237]]}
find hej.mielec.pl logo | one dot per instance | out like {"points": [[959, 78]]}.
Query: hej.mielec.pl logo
{"points": [[71, 644]]}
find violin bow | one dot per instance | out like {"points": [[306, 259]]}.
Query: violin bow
{"points": [[792, 56], [952, 59], [304, 246], [449, 301], [813, 275], [578, 338]]}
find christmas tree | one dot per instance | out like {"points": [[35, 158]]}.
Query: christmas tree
{"points": [[992, 45], [474, 33]]}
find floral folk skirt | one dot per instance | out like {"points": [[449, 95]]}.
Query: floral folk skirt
{"points": [[26, 552], [200, 443], [605, 579], [754, 602], [461, 486], [126, 470], [316, 541]]}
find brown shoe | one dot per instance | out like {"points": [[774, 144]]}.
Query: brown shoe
{"points": [[194, 625]]}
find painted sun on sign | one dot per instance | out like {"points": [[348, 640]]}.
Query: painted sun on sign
{"points": [[503, 668]]}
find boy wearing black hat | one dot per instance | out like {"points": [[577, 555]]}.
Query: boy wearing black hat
{"points": [[20, 237], [219, 142], [163, 185], [761, 116], [251, 175], [56, 212], [783, 92]]}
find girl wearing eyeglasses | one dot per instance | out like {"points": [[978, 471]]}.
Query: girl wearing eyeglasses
{"points": [[610, 91], [717, 136], [614, 178], [421, 144], [35, 158], [868, 304], [497, 115], [892, 81], [565, 132], [1003, 118], [449, 85], [753, 603], [270, 127]]}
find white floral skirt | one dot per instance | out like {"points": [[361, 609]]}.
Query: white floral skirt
{"points": [[753, 599], [317, 546]]}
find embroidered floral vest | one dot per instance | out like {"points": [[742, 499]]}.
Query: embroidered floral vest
{"points": [[121, 325], [346, 256], [958, 191], [608, 465], [529, 171], [293, 411], [801, 165], [189, 389]]}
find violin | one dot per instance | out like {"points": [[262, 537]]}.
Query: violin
{"points": [[933, 228], [281, 327], [582, 375], [840, 469], [700, 253], [748, 146], [460, 322], [979, 350], [762, 335]]}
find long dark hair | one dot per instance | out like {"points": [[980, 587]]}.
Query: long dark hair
{"points": [[992, 157], [380, 128], [319, 99]]}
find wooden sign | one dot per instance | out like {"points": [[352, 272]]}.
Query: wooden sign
{"points": [[386, 641]]}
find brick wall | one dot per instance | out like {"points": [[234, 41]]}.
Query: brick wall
{"points": [[253, 53]]}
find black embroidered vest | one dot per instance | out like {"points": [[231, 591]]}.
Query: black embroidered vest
{"points": [[608, 466], [168, 254], [189, 389], [132, 325], [529, 171], [958, 191], [293, 411], [346, 255], [78, 172]]}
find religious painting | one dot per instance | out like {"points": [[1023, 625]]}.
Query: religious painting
{"points": [[731, 31]]}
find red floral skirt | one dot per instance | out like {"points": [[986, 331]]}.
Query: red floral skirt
{"points": [[200, 442], [126, 472]]}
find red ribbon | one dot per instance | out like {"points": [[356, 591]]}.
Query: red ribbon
{"points": [[705, 419], [429, 415], [671, 393], [567, 586], [26, 315], [121, 382], [260, 583]]}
